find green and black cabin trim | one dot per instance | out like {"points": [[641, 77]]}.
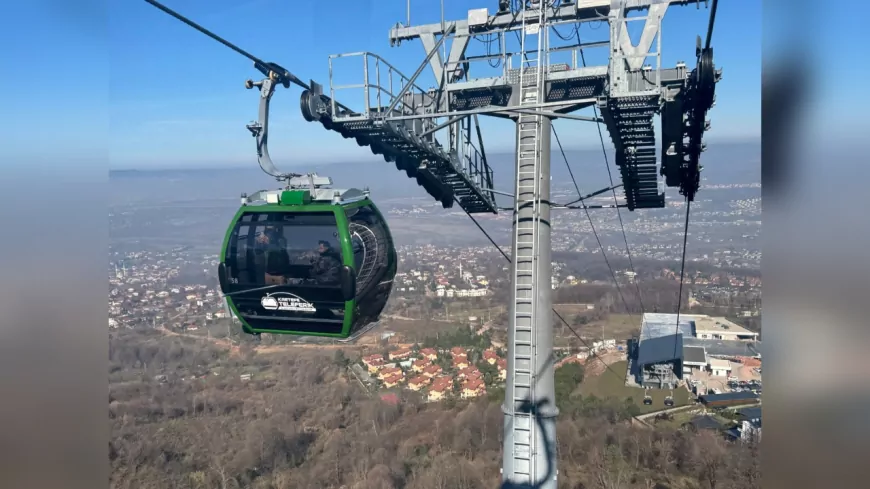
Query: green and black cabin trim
{"points": [[297, 299]]}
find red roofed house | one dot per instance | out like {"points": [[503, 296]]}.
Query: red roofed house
{"points": [[440, 387], [502, 368], [458, 351], [429, 353], [432, 370], [420, 365], [490, 357], [460, 362], [375, 365], [463, 373], [400, 354], [467, 372], [473, 388], [418, 382], [393, 380], [377, 357], [389, 372]]}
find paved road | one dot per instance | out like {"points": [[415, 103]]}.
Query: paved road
{"points": [[406, 318], [644, 417], [234, 348]]}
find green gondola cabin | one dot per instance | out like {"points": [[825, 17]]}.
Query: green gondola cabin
{"points": [[310, 262]]}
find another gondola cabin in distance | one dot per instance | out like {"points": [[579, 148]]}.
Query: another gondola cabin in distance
{"points": [[308, 261]]}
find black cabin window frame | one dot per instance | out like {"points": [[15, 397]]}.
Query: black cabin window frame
{"points": [[248, 271]]}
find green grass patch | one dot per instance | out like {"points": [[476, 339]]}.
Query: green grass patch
{"points": [[609, 385], [677, 420], [618, 326], [614, 326]]}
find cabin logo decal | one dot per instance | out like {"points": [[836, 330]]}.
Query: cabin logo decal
{"points": [[285, 301]]}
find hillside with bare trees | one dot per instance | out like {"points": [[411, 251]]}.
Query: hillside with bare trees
{"points": [[181, 416]]}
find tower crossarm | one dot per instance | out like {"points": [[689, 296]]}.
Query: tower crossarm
{"points": [[631, 90], [458, 173], [579, 11]]}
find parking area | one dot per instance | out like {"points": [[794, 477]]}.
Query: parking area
{"points": [[743, 372], [748, 378], [703, 378]]}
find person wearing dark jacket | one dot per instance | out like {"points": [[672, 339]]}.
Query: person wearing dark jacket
{"points": [[276, 259], [326, 264]]}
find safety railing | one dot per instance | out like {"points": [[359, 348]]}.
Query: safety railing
{"points": [[471, 159], [510, 62], [502, 57], [382, 82]]}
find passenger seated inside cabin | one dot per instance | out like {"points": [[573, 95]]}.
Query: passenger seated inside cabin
{"points": [[325, 264], [277, 260]]}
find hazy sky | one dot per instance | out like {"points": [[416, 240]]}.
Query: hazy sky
{"points": [[176, 97]]}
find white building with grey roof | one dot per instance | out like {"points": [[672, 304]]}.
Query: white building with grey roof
{"points": [[667, 350]]}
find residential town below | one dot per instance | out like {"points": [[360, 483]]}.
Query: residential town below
{"points": [[436, 373], [178, 288]]}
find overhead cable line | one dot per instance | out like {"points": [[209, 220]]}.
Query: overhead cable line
{"points": [[710, 25], [589, 217], [610, 176], [682, 270], [612, 187], [258, 63], [564, 321], [586, 209]]}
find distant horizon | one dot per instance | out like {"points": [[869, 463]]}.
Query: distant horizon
{"points": [[367, 157]]}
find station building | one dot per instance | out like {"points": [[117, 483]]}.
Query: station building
{"points": [[666, 351], [710, 328]]}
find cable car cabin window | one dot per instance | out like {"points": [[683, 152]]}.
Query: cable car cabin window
{"points": [[375, 262], [294, 249], [371, 244], [239, 246], [358, 251], [284, 271]]}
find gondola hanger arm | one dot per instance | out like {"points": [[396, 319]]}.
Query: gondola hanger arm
{"points": [[266, 68], [273, 72], [260, 128]]}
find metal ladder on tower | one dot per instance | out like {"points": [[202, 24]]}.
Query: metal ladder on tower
{"points": [[525, 249]]}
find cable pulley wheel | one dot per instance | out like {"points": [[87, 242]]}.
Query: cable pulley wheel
{"points": [[706, 79], [309, 105]]}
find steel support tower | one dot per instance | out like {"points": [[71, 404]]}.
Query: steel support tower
{"points": [[400, 125], [529, 405]]}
